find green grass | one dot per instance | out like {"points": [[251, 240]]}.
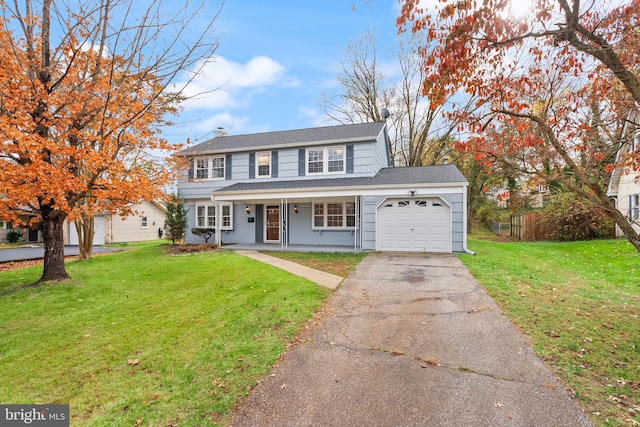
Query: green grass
{"points": [[141, 335], [579, 305], [340, 264]]}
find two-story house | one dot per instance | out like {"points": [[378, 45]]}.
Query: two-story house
{"points": [[329, 186]]}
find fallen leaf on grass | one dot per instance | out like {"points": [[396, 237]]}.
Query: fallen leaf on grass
{"points": [[133, 362], [283, 386]]}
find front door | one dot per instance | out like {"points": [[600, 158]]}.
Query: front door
{"points": [[272, 224]]}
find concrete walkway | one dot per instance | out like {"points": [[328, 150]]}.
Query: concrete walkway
{"points": [[410, 340], [327, 280]]}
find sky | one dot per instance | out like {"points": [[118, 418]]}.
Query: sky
{"points": [[275, 61]]}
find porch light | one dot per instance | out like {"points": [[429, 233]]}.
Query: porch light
{"points": [[295, 208], [248, 209]]}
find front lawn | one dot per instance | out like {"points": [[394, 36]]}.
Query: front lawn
{"points": [[579, 304], [146, 338]]}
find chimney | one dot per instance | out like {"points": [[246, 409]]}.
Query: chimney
{"points": [[445, 160], [220, 132]]}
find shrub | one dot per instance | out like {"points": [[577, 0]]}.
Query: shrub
{"points": [[572, 218], [14, 236], [205, 233], [490, 212], [176, 221], [199, 247]]}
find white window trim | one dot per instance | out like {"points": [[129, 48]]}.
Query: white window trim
{"points": [[263, 153], [206, 206], [325, 216], [634, 214], [144, 222], [210, 168], [325, 160]]}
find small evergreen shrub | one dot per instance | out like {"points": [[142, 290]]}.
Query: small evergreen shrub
{"points": [[14, 236]]}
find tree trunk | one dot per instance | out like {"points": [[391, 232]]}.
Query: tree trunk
{"points": [[628, 230], [85, 229], [53, 235]]}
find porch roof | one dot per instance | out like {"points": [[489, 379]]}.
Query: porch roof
{"points": [[386, 177]]}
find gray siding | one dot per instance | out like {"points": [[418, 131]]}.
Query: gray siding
{"points": [[369, 204], [380, 153], [301, 233], [364, 164]]}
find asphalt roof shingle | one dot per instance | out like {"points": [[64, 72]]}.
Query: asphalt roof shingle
{"points": [[309, 136], [438, 174]]}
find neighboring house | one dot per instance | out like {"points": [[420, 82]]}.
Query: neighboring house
{"points": [[3, 231], [624, 187], [329, 186], [112, 228]]}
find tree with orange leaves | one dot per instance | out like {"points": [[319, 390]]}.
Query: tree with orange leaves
{"points": [[557, 87], [83, 93]]}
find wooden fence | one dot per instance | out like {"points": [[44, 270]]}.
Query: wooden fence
{"points": [[528, 227]]}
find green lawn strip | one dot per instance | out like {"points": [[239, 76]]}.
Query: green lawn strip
{"points": [[579, 304], [144, 335], [340, 264]]}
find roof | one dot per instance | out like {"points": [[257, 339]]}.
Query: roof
{"points": [[439, 174], [308, 136]]}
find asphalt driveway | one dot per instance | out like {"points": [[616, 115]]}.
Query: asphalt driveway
{"points": [[410, 340], [37, 252]]}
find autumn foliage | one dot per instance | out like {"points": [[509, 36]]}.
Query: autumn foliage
{"points": [[556, 87], [79, 120]]}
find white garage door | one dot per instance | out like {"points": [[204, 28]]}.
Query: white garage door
{"points": [[98, 232], [416, 225]]}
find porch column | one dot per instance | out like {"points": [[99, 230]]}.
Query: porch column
{"points": [[218, 218], [285, 223], [355, 232]]}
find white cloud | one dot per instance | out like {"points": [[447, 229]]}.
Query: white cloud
{"points": [[225, 120], [222, 83]]}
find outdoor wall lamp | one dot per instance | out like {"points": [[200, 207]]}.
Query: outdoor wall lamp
{"points": [[248, 209], [295, 208]]}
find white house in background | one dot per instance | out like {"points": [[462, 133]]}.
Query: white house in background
{"points": [[3, 231], [329, 186], [111, 228], [624, 187]]}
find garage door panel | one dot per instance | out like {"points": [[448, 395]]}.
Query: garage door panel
{"points": [[414, 225]]}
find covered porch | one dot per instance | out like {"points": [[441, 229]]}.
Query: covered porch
{"points": [[291, 222], [269, 247]]}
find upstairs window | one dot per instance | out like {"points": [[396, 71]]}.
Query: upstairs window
{"points": [[263, 164], [144, 222], [209, 167], [327, 160]]}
